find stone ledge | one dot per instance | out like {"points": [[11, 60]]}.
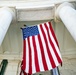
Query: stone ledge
{"points": [[30, 10]]}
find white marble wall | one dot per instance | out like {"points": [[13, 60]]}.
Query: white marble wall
{"points": [[11, 47], [12, 43]]}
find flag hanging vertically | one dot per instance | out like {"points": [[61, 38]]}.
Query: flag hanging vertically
{"points": [[40, 49]]}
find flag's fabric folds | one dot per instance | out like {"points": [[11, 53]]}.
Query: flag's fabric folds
{"points": [[40, 49]]}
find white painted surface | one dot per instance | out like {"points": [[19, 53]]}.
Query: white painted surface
{"points": [[67, 14], [30, 10], [68, 68], [11, 47], [6, 16]]}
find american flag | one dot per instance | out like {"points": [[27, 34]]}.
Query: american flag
{"points": [[40, 49]]}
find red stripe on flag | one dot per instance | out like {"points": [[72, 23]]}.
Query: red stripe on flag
{"points": [[48, 51], [24, 55], [35, 54], [42, 53], [29, 74], [30, 56], [24, 73], [40, 45], [53, 34], [53, 46]]}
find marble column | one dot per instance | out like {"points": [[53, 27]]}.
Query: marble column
{"points": [[67, 14], [6, 17]]}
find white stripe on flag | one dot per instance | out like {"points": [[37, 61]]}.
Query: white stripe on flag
{"points": [[45, 49], [50, 47], [39, 54], [56, 47], [33, 60], [42, 52], [27, 57]]}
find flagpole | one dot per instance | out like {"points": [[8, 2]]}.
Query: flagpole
{"points": [[55, 71]]}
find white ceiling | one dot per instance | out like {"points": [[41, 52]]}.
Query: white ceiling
{"points": [[29, 10]]}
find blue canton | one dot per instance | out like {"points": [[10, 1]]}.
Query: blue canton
{"points": [[30, 31]]}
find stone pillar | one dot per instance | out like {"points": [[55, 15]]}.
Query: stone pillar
{"points": [[67, 13], [6, 17]]}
